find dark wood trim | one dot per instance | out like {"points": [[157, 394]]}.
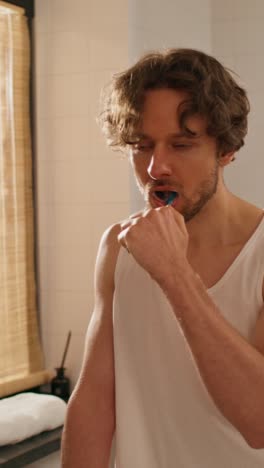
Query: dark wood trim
{"points": [[30, 450], [27, 4]]}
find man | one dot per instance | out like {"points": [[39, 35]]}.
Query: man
{"points": [[174, 354]]}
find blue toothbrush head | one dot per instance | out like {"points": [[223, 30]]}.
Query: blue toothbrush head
{"points": [[171, 198]]}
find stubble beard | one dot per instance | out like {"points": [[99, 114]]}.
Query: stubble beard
{"points": [[203, 194]]}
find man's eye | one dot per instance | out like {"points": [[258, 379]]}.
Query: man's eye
{"points": [[181, 145], [142, 147]]}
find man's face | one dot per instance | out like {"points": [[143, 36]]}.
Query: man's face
{"points": [[165, 159]]}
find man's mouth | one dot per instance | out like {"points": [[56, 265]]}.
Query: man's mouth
{"points": [[166, 196]]}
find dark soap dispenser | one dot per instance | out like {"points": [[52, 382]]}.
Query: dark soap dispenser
{"points": [[60, 384]]}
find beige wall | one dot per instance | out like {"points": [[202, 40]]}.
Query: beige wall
{"points": [[237, 39], [156, 24], [82, 187]]}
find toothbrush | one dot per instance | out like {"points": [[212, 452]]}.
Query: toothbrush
{"points": [[171, 198]]}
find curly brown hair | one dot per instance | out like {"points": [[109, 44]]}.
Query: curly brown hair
{"points": [[213, 93]]}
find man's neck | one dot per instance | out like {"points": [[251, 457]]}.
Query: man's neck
{"points": [[225, 220]]}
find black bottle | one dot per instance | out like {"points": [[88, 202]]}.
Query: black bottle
{"points": [[60, 385]]}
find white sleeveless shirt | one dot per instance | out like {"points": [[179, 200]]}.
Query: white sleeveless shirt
{"points": [[165, 417]]}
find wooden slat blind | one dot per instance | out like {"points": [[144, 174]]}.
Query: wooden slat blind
{"points": [[21, 357]]}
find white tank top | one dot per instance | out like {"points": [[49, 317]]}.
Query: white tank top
{"points": [[165, 417]]}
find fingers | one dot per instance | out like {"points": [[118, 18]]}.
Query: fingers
{"points": [[161, 218], [135, 217], [132, 218], [125, 228]]}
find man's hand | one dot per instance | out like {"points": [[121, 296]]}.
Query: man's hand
{"points": [[158, 240]]}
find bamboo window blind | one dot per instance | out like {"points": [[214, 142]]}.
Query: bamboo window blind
{"points": [[21, 357]]}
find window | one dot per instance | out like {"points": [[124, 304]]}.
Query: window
{"points": [[21, 357]]}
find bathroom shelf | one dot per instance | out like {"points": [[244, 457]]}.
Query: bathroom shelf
{"points": [[30, 450]]}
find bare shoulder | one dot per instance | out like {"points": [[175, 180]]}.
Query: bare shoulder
{"points": [[99, 336], [246, 218], [250, 215], [106, 259]]}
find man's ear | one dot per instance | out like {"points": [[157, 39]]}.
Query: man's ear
{"points": [[225, 159]]}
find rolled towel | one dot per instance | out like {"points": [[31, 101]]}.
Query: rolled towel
{"points": [[28, 414]]}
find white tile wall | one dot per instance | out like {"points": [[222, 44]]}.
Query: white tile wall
{"points": [[78, 45], [156, 25], [81, 186], [65, 139], [46, 219], [179, 24], [108, 19], [237, 38], [69, 95], [222, 35], [250, 69], [42, 48], [69, 52], [66, 15], [44, 178], [243, 9], [223, 10], [42, 17]]}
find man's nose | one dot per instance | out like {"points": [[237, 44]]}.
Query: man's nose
{"points": [[160, 164]]}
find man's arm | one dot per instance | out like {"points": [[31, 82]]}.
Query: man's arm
{"points": [[231, 367], [90, 421]]}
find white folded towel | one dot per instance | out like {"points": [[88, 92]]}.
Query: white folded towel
{"points": [[28, 414]]}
